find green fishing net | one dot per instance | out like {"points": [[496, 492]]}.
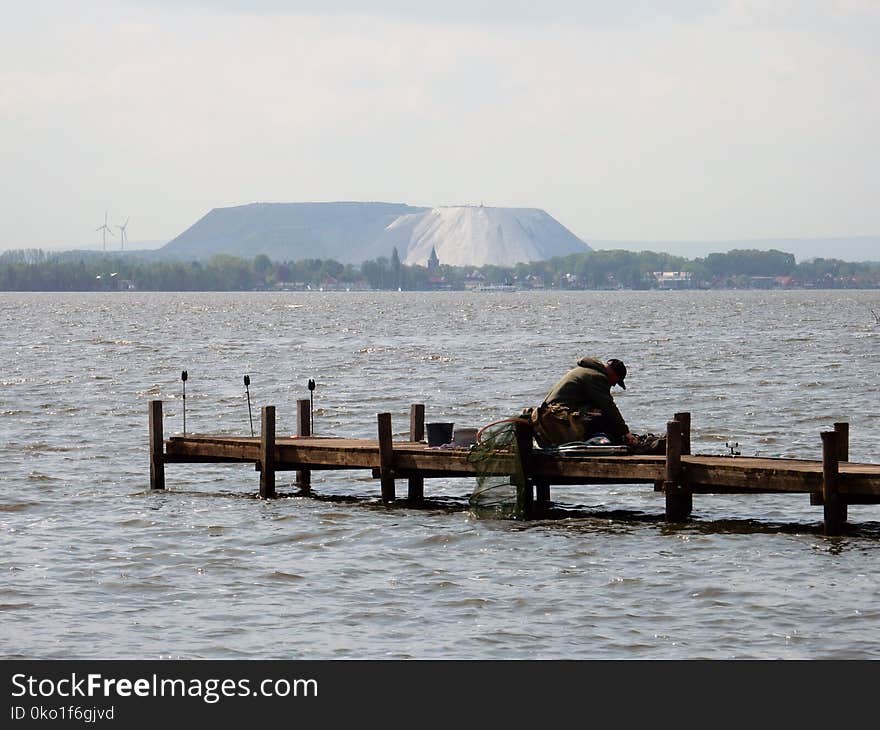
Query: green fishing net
{"points": [[501, 483]]}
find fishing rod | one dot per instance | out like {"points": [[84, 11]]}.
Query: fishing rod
{"points": [[311, 407], [247, 382], [183, 377]]}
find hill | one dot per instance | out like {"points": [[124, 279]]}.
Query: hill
{"points": [[478, 235], [344, 231], [353, 232]]}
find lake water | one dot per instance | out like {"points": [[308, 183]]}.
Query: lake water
{"points": [[95, 565]]}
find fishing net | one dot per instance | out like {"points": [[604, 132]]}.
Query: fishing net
{"points": [[501, 483]]}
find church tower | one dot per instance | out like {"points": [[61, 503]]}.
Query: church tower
{"points": [[433, 261]]}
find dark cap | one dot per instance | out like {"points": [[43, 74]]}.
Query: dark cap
{"points": [[619, 370]]}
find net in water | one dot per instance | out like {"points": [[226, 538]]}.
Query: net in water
{"points": [[501, 482]]}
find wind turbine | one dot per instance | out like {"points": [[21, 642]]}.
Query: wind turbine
{"points": [[122, 233], [106, 229]]}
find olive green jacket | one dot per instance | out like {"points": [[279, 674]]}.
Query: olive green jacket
{"points": [[586, 388]]}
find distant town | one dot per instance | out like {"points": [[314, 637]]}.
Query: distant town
{"points": [[36, 270]]}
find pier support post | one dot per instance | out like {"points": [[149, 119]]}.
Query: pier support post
{"points": [[679, 500], [303, 429], [525, 497], [267, 453], [386, 457], [416, 485], [157, 443], [834, 503], [841, 428], [542, 494]]}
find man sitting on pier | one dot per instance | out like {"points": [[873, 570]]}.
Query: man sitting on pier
{"points": [[580, 406]]}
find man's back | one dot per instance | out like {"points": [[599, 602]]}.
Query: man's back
{"points": [[586, 388]]}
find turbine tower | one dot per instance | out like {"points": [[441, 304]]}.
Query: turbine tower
{"points": [[122, 233], [105, 229]]}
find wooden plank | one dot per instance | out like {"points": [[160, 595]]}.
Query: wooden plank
{"points": [[738, 474], [230, 451], [157, 462], [386, 457], [416, 484], [721, 474], [612, 468], [834, 505], [267, 452], [303, 430]]}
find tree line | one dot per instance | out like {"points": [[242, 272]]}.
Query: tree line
{"points": [[37, 270]]}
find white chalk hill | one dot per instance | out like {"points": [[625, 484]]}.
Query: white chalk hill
{"points": [[478, 235]]}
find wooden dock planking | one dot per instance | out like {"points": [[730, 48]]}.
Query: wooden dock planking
{"points": [[702, 473], [832, 482]]}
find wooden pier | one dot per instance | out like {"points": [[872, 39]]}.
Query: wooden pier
{"points": [[832, 482]]}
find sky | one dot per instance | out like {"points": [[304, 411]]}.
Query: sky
{"points": [[635, 121]]}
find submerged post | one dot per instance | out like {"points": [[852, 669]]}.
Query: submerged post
{"points": [[679, 500], [157, 459], [416, 485], [267, 453], [834, 503], [386, 457], [303, 429]]}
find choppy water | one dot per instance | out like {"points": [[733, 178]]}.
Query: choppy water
{"points": [[95, 565]]}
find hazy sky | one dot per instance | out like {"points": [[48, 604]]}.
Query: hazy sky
{"points": [[655, 120]]}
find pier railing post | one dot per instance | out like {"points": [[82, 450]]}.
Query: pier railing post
{"points": [[267, 452], [684, 418], [304, 428], [416, 485], [157, 443], [679, 500], [834, 503], [841, 428], [386, 457], [525, 493]]}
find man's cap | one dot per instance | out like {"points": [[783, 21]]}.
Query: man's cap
{"points": [[619, 369]]}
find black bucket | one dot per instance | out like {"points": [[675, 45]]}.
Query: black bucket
{"points": [[439, 433]]}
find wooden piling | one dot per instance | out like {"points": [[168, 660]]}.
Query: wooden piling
{"points": [[303, 429], [834, 503], [525, 497], [542, 494], [684, 418], [416, 485], [841, 428], [679, 500], [267, 452], [386, 457], [157, 440]]}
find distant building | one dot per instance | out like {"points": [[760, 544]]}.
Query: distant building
{"points": [[762, 282], [433, 261], [673, 279], [474, 280]]}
